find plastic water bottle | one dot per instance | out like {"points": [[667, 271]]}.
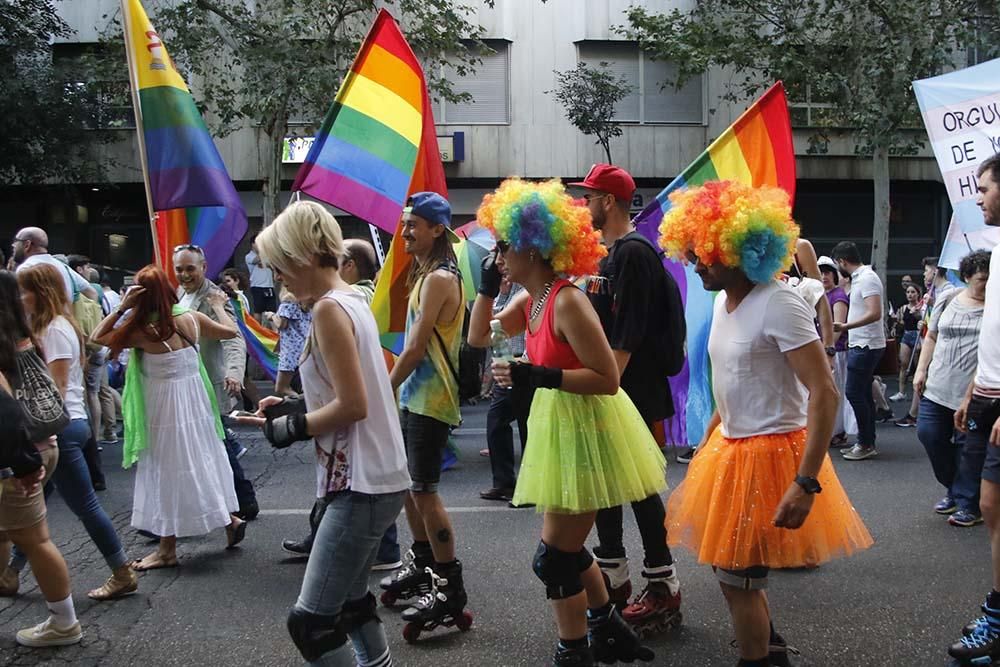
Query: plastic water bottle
{"points": [[500, 343]]}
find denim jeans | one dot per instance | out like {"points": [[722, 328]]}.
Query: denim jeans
{"points": [[244, 487], [72, 480], [956, 466], [339, 565], [388, 548], [861, 363], [500, 437]]}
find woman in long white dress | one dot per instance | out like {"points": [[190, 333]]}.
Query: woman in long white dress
{"points": [[184, 485]]}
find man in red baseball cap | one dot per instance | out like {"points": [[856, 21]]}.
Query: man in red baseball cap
{"points": [[636, 300]]}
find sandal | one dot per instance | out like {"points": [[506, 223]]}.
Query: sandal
{"points": [[123, 582], [162, 563], [235, 535]]}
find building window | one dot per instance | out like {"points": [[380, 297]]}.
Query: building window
{"points": [[489, 88], [808, 108], [651, 101], [85, 72]]}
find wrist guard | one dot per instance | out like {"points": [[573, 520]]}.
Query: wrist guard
{"points": [[535, 377], [286, 422], [490, 278]]}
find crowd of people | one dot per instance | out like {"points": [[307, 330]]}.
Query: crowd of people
{"points": [[593, 328]]}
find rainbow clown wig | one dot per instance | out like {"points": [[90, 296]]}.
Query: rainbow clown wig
{"points": [[731, 223], [542, 217]]}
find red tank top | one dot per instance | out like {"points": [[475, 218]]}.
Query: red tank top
{"points": [[544, 347]]}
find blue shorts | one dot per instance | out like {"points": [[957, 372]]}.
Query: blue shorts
{"points": [[910, 338]]}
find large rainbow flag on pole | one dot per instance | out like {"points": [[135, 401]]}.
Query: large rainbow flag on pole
{"points": [[757, 149], [376, 147], [373, 138], [189, 193]]}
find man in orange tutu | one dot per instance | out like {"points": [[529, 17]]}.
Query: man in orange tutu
{"points": [[761, 491]]}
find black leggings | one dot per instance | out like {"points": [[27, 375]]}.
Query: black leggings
{"points": [[649, 515]]}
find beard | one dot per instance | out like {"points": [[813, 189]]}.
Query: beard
{"points": [[844, 272]]}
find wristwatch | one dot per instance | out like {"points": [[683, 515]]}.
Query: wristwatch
{"points": [[809, 484], [831, 351]]}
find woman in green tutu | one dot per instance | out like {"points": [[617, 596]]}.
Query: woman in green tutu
{"points": [[588, 447]]}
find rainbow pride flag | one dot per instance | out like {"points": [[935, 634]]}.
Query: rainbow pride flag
{"points": [[188, 183], [365, 155], [757, 149], [261, 341]]}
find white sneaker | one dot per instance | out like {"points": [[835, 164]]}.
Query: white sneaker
{"points": [[898, 396], [46, 634]]}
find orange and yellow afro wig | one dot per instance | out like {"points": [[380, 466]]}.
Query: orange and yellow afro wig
{"points": [[731, 223], [542, 217]]}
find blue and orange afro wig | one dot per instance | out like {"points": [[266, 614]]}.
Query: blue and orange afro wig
{"points": [[731, 223], [542, 217]]}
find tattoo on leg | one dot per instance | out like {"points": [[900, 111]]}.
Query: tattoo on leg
{"points": [[444, 535]]}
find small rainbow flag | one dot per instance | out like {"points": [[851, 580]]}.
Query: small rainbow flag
{"points": [[757, 149], [184, 171], [261, 341], [365, 155]]}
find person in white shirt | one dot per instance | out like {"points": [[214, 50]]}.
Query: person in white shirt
{"points": [[761, 491], [261, 284], [978, 417], [31, 247], [865, 343], [350, 410]]}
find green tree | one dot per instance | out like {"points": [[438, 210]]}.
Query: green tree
{"points": [[589, 96], [861, 55], [267, 63], [47, 118]]}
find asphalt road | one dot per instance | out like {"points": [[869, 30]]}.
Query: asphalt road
{"points": [[900, 603]]}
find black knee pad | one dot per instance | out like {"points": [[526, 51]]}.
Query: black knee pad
{"points": [[583, 560], [314, 634], [356, 613], [558, 570]]}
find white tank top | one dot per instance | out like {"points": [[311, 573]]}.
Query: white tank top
{"points": [[367, 456]]}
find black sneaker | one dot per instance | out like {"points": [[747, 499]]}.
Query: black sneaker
{"points": [[297, 547], [909, 421], [686, 455]]}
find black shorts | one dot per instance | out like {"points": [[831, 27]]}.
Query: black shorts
{"points": [[425, 439], [982, 415], [263, 299]]}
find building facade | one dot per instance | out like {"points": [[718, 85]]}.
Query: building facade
{"points": [[514, 126]]}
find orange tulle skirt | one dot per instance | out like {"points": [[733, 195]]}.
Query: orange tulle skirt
{"points": [[723, 511]]}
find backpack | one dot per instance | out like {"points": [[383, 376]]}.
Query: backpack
{"points": [[672, 337], [88, 314]]}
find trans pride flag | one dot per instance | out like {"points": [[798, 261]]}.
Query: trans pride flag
{"points": [[187, 181], [757, 149]]}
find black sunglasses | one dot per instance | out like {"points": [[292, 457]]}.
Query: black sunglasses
{"points": [[188, 246]]}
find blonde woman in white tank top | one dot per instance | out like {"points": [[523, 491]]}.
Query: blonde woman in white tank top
{"points": [[348, 408]]}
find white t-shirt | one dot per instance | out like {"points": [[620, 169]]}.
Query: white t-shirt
{"points": [[74, 282], [110, 300], [865, 283], [367, 456], [187, 298], [988, 372], [260, 276], [60, 342], [755, 389]]}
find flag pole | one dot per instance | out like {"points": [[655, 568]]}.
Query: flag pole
{"points": [[133, 76]]}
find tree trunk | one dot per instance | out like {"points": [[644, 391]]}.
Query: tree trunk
{"points": [[271, 183], [880, 224], [606, 145]]}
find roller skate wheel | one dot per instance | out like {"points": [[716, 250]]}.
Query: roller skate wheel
{"points": [[464, 622], [411, 633], [388, 598]]}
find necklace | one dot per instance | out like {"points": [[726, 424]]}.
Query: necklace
{"points": [[536, 309]]}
